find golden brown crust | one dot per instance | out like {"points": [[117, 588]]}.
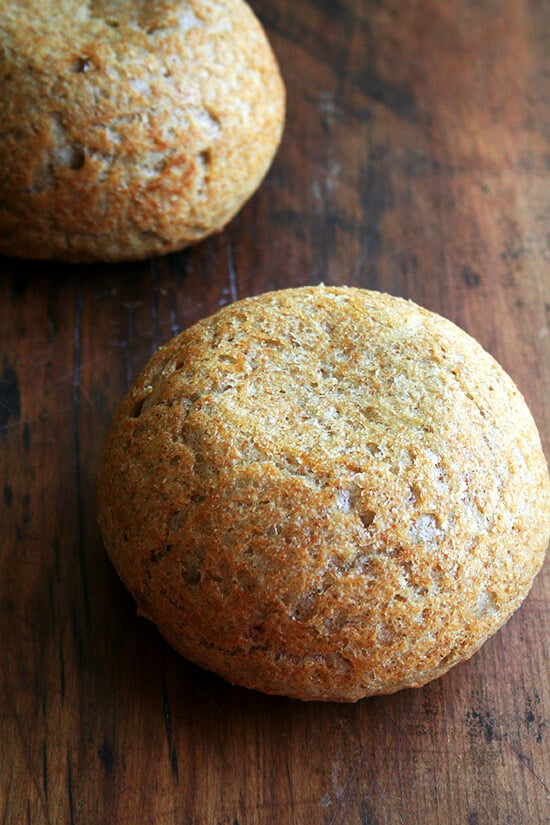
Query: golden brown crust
{"points": [[325, 493], [130, 128]]}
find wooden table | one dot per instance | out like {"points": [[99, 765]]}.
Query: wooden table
{"points": [[416, 160]]}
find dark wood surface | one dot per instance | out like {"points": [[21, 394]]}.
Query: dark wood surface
{"points": [[416, 160]]}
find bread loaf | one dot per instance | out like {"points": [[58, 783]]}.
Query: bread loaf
{"points": [[325, 493], [130, 128]]}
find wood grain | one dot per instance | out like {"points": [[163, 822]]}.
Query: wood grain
{"points": [[416, 160]]}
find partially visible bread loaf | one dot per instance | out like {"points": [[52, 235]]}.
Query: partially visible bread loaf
{"points": [[325, 493], [130, 128]]}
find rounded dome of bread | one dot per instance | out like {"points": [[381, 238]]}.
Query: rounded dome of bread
{"points": [[325, 493], [130, 128]]}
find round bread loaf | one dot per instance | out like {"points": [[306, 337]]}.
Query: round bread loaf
{"points": [[129, 127], [325, 493]]}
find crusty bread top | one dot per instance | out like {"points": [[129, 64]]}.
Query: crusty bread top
{"points": [[130, 127], [325, 492]]}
